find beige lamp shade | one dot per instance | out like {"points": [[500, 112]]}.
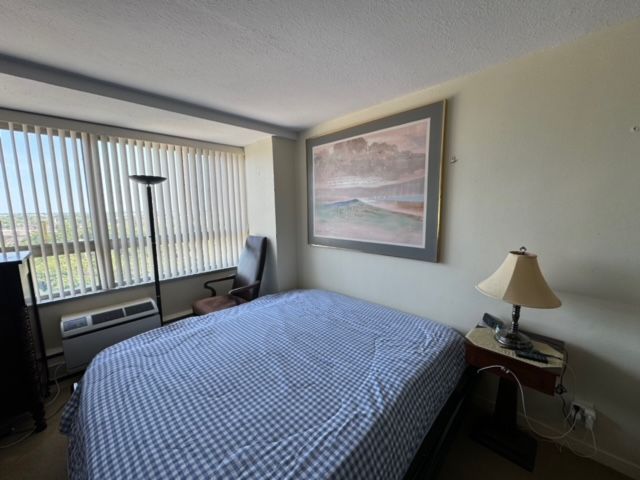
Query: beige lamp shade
{"points": [[519, 281]]}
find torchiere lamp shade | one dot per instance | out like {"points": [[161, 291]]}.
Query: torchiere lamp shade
{"points": [[519, 281], [147, 179]]}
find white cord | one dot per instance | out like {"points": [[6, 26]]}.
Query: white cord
{"points": [[593, 435], [18, 440], [545, 437], [55, 379], [524, 409], [48, 404], [590, 455]]}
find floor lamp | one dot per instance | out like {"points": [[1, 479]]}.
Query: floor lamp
{"points": [[149, 181]]}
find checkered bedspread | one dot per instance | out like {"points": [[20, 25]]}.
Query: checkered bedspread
{"points": [[303, 384]]}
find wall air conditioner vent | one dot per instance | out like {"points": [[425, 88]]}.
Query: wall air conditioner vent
{"points": [[75, 323], [87, 333], [139, 308], [107, 316]]}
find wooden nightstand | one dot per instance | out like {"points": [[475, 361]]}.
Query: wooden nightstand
{"points": [[500, 431]]}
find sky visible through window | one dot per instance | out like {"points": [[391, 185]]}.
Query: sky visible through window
{"points": [[40, 153]]}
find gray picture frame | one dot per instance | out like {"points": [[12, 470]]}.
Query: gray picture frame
{"points": [[428, 252]]}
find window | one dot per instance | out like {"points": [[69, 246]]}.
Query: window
{"points": [[67, 198]]}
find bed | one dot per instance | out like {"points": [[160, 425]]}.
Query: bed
{"points": [[302, 384]]}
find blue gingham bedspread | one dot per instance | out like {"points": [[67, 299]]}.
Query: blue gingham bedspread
{"points": [[303, 384]]}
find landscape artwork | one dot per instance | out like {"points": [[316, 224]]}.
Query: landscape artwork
{"points": [[372, 187], [376, 187]]}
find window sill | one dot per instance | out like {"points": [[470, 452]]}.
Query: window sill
{"points": [[132, 287]]}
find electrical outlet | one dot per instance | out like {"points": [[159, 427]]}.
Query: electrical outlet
{"points": [[585, 414]]}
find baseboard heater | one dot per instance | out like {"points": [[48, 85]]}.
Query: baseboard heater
{"points": [[85, 334]]}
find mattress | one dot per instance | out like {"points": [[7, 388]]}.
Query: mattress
{"points": [[302, 384]]}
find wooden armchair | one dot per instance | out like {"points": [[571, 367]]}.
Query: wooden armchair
{"points": [[246, 280]]}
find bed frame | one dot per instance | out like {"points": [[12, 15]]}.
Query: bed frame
{"points": [[434, 448]]}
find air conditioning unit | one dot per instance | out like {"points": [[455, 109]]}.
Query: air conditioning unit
{"points": [[85, 334]]}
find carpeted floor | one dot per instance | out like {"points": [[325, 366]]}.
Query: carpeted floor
{"points": [[470, 460], [43, 456]]}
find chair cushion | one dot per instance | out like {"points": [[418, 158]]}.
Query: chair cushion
{"points": [[213, 304]]}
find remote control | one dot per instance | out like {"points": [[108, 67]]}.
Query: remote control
{"points": [[532, 355], [492, 322]]}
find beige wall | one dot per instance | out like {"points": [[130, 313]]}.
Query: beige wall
{"points": [[261, 204], [270, 199], [546, 159]]}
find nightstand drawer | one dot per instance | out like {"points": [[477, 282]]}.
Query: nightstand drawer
{"points": [[534, 377]]}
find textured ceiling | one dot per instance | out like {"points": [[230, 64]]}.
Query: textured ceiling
{"points": [[293, 63]]}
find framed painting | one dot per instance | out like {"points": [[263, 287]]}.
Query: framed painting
{"points": [[376, 187]]}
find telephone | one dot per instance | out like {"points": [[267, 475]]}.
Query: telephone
{"points": [[492, 322]]}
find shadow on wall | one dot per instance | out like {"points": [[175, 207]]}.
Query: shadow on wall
{"points": [[270, 275], [449, 131], [598, 280]]}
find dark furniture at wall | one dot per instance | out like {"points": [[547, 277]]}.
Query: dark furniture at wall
{"points": [[246, 280], [23, 371], [500, 431]]}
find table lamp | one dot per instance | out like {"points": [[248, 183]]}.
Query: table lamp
{"points": [[518, 281]]}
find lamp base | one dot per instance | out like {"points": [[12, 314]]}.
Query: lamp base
{"points": [[507, 338]]}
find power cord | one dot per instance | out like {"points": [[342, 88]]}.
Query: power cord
{"points": [[572, 413], [524, 408], [561, 389], [50, 416], [590, 455], [47, 405], [55, 379], [31, 432]]}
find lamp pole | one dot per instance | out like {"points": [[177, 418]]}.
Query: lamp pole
{"points": [[149, 181]]}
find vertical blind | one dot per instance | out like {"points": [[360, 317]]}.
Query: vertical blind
{"points": [[68, 199]]}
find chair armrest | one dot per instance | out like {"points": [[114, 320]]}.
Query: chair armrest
{"points": [[252, 286], [221, 279]]}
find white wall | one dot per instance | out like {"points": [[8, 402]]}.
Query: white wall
{"points": [[547, 160], [261, 205], [270, 204]]}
